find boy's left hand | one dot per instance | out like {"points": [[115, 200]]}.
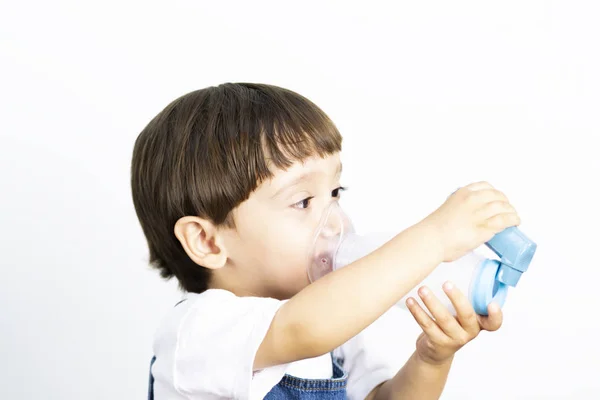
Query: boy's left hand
{"points": [[445, 334]]}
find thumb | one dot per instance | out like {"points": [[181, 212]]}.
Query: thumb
{"points": [[493, 321]]}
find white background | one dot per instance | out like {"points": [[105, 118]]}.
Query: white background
{"points": [[429, 96]]}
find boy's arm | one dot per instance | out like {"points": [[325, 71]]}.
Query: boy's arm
{"points": [[417, 379], [338, 306]]}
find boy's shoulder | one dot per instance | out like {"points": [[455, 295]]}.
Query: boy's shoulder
{"points": [[215, 312], [215, 335]]}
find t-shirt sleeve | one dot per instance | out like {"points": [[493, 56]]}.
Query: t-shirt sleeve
{"points": [[217, 341], [377, 353]]}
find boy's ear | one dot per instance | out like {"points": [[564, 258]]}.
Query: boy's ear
{"points": [[201, 241]]}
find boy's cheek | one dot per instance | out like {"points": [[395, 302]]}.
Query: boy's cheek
{"points": [[290, 256], [279, 244]]}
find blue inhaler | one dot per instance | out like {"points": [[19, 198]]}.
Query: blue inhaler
{"points": [[482, 279], [492, 278]]}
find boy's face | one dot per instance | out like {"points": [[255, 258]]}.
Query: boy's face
{"points": [[269, 248]]}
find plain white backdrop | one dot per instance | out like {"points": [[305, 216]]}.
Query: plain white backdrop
{"points": [[428, 95]]}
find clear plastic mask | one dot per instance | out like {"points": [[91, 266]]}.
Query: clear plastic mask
{"points": [[333, 228]]}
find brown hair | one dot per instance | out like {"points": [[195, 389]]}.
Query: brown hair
{"points": [[207, 151]]}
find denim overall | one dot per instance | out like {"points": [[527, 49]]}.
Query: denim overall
{"points": [[291, 387]]}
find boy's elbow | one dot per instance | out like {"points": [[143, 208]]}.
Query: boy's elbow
{"points": [[308, 341], [289, 340], [300, 340]]}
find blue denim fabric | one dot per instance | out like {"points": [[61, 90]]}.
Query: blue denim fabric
{"points": [[151, 381], [291, 387]]}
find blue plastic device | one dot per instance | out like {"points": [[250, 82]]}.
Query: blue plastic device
{"points": [[493, 277]]}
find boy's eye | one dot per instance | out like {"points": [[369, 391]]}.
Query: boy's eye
{"points": [[336, 191], [303, 204]]}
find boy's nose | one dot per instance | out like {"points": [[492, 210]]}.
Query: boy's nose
{"points": [[336, 221]]}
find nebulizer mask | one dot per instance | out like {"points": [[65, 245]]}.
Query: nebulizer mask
{"points": [[482, 279]]}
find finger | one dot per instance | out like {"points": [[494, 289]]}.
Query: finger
{"points": [[485, 196], [425, 322], [479, 186], [499, 222], [493, 321], [464, 310], [494, 208], [445, 320], [466, 192]]}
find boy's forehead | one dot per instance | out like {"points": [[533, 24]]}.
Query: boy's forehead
{"points": [[312, 168]]}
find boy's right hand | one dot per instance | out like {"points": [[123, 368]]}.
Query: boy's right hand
{"points": [[470, 217]]}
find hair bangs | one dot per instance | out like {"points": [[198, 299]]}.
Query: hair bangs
{"points": [[294, 131]]}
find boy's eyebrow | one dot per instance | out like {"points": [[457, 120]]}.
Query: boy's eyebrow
{"points": [[300, 179], [292, 183]]}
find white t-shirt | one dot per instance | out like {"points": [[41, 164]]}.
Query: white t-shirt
{"points": [[205, 349]]}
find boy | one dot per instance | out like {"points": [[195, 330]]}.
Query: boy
{"points": [[229, 184]]}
